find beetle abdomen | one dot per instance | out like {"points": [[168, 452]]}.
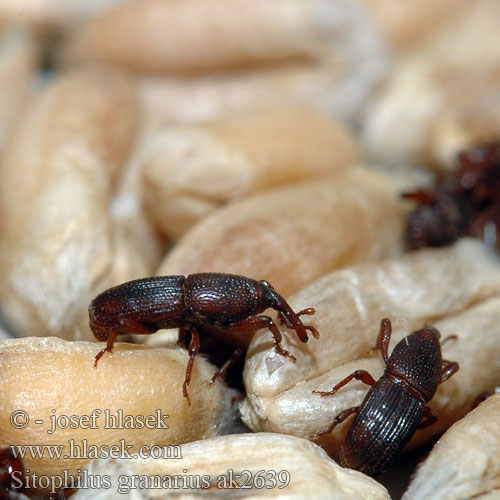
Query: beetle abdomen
{"points": [[222, 298], [389, 416], [155, 301]]}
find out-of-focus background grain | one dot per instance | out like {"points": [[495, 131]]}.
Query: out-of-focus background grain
{"points": [[269, 138]]}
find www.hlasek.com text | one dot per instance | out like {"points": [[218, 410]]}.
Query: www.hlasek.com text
{"points": [[83, 450]]}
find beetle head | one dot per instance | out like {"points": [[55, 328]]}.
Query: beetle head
{"points": [[432, 330]]}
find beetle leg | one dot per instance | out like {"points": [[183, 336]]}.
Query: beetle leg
{"points": [[361, 375], [338, 420], [194, 347], [384, 337], [126, 326], [254, 323], [430, 417], [227, 364], [109, 347], [449, 368]]}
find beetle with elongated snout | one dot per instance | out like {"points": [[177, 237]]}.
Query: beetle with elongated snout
{"points": [[225, 306], [395, 406]]}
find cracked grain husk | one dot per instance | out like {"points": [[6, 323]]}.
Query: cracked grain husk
{"points": [[465, 463], [47, 377], [457, 289], [312, 474]]}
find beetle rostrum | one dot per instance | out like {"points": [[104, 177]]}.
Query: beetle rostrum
{"points": [[222, 306], [395, 406]]}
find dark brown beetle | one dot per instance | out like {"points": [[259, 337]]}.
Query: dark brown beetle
{"points": [[395, 406], [225, 306], [462, 202]]}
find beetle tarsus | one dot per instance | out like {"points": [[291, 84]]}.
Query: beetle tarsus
{"points": [[361, 375], [109, 347]]}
